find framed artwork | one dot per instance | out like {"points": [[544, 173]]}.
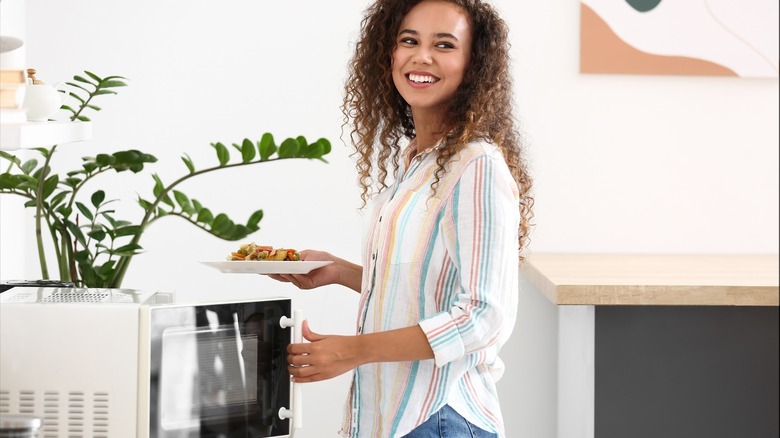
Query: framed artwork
{"points": [[680, 37]]}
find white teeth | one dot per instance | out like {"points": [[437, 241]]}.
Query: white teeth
{"points": [[422, 78]]}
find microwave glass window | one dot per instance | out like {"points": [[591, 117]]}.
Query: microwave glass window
{"points": [[220, 371]]}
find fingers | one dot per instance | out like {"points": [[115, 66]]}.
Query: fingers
{"points": [[296, 279], [305, 374]]}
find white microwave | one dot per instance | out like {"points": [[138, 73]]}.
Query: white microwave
{"points": [[114, 363]]}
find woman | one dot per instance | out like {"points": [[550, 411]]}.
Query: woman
{"points": [[439, 277]]}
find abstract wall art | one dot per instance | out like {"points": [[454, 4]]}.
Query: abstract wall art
{"points": [[680, 37]]}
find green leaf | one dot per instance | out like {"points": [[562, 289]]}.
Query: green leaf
{"points": [[64, 211], [196, 205], [82, 79], [89, 167], [127, 250], [128, 157], [85, 211], [131, 230], [72, 182], [237, 232], [45, 152], [73, 84], [325, 145], [98, 197], [101, 92], [88, 275], [158, 190], [83, 118], [255, 218], [188, 162], [82, 256], [76, 232], [105, 160], [115, 223], [42, 173], [50, 185], [289, 148], [247, 150], [146, 205], [77, 97], [29, 165], [221, 223], [315, 150], [106, 270], [184, 202], [97, 78], [98, 234], [8, 181], [266, 146], [112, 84], [94, 107], [205, 216], [58, 198], [223, 154]]}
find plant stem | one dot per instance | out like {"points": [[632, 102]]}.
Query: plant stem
{"points": [[38, 211]]}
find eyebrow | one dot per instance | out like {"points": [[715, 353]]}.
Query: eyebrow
{"points": [[436, 35]]}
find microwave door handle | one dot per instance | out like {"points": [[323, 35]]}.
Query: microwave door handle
{"points": [[297, 398]]}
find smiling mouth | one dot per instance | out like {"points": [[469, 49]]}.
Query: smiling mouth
{"points": [[422, 79]]}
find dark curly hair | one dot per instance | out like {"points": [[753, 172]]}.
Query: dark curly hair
{"points": [[481, 108]]}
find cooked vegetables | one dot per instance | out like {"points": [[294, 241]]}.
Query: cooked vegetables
{"points": [[252, 251]]}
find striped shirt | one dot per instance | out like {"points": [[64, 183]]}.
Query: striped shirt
{"points": [[448, 263]]}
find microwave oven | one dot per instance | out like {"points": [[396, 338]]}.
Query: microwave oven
{"points": [[115, 363]]}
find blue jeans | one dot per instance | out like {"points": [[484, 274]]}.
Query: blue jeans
{"points": [[448, 424]]}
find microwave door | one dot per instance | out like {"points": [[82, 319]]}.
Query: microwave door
{"points": [[219, 370]]}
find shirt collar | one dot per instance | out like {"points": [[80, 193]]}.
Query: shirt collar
{"points": [[409, 153]]}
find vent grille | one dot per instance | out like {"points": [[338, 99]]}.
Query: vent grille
{"points": [[51, 414], [85, 297], [21, 297], [64, 414], [5, 402]]}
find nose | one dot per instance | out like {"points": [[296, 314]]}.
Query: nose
{"points": [[422, 56]]}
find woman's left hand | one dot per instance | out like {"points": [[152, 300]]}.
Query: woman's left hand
{"points": [[323, 357]]}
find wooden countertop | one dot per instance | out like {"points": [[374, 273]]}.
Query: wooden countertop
{"points": [[655, 279]]}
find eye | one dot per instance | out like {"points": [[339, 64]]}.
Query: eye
{"points": [[445, 45], [408, 40]]}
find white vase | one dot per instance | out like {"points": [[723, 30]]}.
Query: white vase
{"points": [[41, 102]]}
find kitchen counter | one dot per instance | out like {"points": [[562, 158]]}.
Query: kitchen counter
{"points": [[657, 280], [645, 345]]}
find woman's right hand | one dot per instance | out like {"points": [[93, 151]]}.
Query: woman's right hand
{"points": [[333, 273]]}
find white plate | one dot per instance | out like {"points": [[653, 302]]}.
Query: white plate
{"points": [[267, 267]]}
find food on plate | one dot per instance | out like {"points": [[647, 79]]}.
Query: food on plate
{"points": [[252, 251]]}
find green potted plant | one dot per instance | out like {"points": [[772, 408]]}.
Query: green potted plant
{"points": [[92, 247]]}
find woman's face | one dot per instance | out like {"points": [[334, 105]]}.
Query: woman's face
{"points": [[433, 49]]}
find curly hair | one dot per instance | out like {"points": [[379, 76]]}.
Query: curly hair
{"points": [[480, 109]]}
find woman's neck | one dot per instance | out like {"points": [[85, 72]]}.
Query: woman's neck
{"points": [[428, 128]]}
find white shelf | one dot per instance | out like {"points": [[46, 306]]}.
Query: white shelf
{"points": [[28, 135]]}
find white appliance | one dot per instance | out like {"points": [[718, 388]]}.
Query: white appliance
{"points": [[113, 363]]}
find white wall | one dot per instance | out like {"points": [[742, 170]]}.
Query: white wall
{"points": [[622, 163]]}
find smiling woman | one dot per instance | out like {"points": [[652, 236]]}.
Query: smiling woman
{"points": [[432, 51], [438, 281]]}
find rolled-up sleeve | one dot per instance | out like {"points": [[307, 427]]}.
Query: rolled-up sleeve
{"points": [[481, 236]]}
